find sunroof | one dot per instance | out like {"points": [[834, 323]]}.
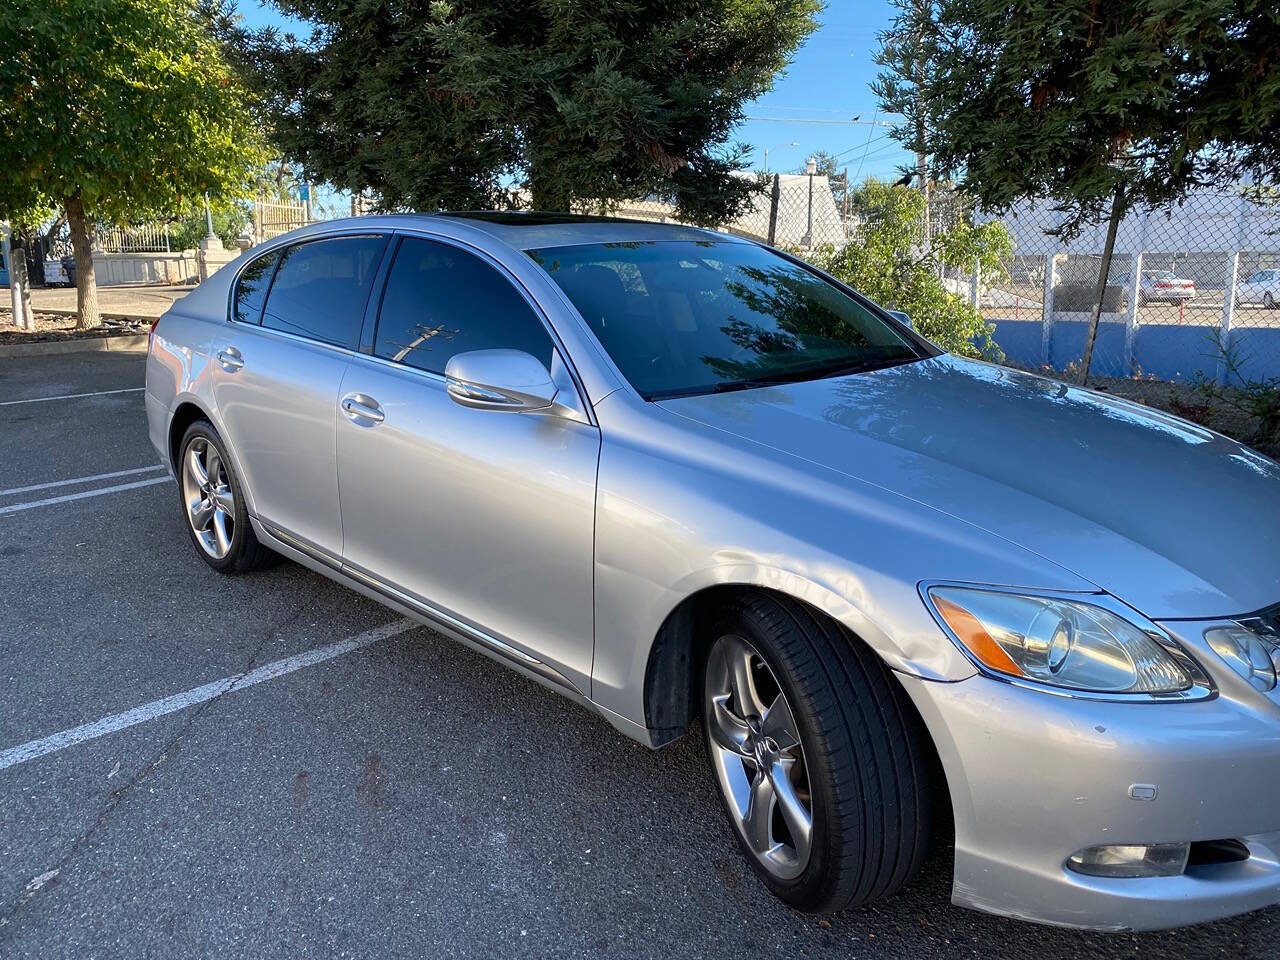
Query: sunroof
{"points": [[530, 219]]}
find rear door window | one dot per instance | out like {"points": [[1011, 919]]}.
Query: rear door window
{"points": [[321, 289]]}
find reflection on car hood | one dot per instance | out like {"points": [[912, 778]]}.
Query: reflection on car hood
{"points": [[1172, 518]]}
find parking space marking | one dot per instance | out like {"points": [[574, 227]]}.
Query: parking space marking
{"points": [[70, 483], [201, 694], [71, 396], [67, 497]]}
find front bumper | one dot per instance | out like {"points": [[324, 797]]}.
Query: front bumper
{"points": [[1036, 777]]}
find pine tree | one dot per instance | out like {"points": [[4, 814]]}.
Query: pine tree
{"points": [[436, 104]]}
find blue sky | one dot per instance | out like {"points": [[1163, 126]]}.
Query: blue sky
{"points": [[828, 81]]}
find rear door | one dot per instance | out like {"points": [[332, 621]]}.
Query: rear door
{"points": [[277, 367]]}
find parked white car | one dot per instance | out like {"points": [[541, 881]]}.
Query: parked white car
{"points": [[1161, 286], [1263, 287]]}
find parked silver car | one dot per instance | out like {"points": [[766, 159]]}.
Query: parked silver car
{"points": [[1262, 287], [684, 479], [1160, 286]]}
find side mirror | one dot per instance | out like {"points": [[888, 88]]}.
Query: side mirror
{"points": [[499, 380], [901, 318]]}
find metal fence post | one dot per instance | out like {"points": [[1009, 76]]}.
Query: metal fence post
{"points": [[1046, 325], [774, 199], [1229, 294], [1135, 293]]}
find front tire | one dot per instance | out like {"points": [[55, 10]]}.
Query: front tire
{"points": [[820, 758], [213, 503]]}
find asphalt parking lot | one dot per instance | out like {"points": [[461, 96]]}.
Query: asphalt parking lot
{"points": [[366, 788]]}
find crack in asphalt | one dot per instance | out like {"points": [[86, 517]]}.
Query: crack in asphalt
{"points": [[53, 876]]}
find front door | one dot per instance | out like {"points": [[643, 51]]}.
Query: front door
{"points": [[485, 516], [277, 372]]}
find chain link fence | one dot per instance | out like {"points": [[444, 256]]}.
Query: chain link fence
{"points": [[1191, 292]]}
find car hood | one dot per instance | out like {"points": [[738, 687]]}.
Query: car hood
{"points": [[1170, 517]]}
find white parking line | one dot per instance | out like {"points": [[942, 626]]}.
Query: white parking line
{"points": [[67, 497], [71, 396], [77, 480], [209, 691]]}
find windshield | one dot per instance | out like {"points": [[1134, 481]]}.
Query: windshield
{"points": [[682, 317]]}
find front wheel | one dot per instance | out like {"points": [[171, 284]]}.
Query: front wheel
{"points": [[821, 761], [214, 505]]}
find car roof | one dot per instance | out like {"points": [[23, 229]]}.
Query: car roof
{"points": [[528, 230]]}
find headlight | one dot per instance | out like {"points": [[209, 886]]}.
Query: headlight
{"points": [[1254, 656], [1064, 642]]}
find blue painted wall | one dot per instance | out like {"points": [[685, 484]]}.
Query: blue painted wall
{"points": [[1162, 350]]}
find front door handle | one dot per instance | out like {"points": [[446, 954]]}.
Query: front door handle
{"points": [[361, 407], [230, 358]]}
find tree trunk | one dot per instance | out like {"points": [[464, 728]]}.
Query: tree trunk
{"points": [[86, 283], [1099, 293], [548, 195]]}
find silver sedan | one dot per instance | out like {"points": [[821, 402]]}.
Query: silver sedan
{"points": [[689, 481]]}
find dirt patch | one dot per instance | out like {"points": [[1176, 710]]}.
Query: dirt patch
{"points": [[53, 326]]}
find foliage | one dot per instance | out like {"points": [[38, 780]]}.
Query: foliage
{"points": [[1076, 99], [127, 104], [886, 261], [1257, 398], [436, 104], [228, 223]]}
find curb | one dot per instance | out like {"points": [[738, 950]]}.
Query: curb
{"points": [[130, 343]]}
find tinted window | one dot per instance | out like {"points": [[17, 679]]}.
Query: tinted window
{"points": [[321, 289], [251, 288], [698, 316], [441, 300]]}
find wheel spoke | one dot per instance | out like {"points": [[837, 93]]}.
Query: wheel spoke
{"points": [[756, 824], [727, 729], [745, 696], [201, 513], [195, 469], [780, 724], [212, 464], [223, 498], [220, 532], [794, 814]]}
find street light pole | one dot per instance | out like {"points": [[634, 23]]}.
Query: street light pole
{"points": [[810, 167], [780, 143]]}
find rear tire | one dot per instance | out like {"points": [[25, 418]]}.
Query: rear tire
{"points": [[1268, 301], [213, 504], [862, 768]]}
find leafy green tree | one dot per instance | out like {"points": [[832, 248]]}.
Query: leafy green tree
{"points": [[887, 261], [1099, 106], [229, 221], [116, 110], [454, 103]]}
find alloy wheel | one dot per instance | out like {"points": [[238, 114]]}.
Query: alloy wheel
{"points": [[758, 757], [206, 490]]}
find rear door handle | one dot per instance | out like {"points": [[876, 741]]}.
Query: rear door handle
{"points": [[361, 407], [230, 358]]}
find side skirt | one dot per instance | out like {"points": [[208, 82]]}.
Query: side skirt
{"points": [[456, 629]]}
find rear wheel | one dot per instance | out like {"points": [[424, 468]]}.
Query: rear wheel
{"points": [[820, 758], [213, 503], [1268, 301]]}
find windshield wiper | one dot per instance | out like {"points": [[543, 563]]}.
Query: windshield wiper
{"points": [[815, 373]]}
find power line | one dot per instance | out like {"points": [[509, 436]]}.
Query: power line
{"points": [[855, 122]]}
